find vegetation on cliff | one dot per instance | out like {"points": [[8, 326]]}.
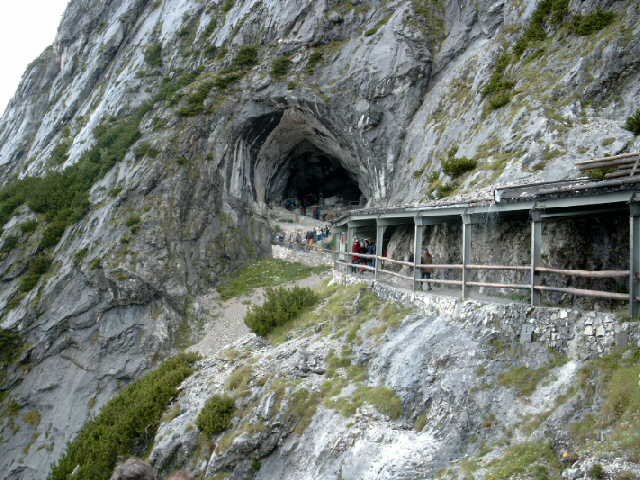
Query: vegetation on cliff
{"points": [[126, 425]]}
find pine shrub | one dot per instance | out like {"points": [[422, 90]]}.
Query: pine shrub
{"points": [[633, 123], [585, 25], [455, 167], [216, 415], [247, 56], [126, 425], [153, 55], [280, 67], [282, 305]]}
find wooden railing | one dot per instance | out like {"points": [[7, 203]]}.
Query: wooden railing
{"points": [[380, 261]]}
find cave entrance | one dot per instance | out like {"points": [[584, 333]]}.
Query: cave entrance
{"points": [[315, 183]]}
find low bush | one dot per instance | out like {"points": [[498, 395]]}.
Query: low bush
{"points": [[525, 460], [9, 244], [455, 167], [282, 305], [633, 123], [153, 55], [597, 472], [38, 267], [195, 101], [29, 227], [224, 80], [126, 425], [280, 66], [314, 60], [11, 344], [585, 25], [216, 415], [60, 153], [246, 57]]}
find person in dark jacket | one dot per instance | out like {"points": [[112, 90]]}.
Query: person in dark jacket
{"points": [[427, 259]]}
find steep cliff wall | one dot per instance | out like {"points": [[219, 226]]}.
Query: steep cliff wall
{"points": [[221, 96]]}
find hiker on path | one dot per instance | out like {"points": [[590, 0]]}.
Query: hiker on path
{"points": [[355, 248], [427, 259]]}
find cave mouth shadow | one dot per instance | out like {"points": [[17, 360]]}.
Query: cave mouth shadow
{"points": [[297, 156], [308, 176]]}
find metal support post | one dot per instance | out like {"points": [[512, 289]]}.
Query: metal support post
{"points": [[634, 260], [379, 242], [417, 251], [350, 235], [466, 251], [536, 248]]}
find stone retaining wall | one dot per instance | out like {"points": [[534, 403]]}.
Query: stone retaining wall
{"points": [[579, 334], [311, 257]]}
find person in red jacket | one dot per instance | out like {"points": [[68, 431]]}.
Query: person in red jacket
{"points": [[355, 248]]}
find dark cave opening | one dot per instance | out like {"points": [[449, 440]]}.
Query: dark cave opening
{"points": [[310, 177]]}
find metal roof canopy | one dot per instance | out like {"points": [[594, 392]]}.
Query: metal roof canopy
{"points": [[571, 205]]}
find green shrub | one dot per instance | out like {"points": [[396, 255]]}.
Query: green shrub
{"points": [[211, 27], [95, 264], [126, 425], [282, 305], [29, 227], [314, 60], [280, 66], [170, 87], [10, 243], [227, 5], [38, 267], [633, 123], [499, 100], [592, 23], [384, 399], [52, 234], [223, 80], [216, 415], [195, 101], [153, 55], [597, 472], [146, 150], [246, 57], [418, 173], [455, 167], [60, 153], [11, 343], [547, 11]]}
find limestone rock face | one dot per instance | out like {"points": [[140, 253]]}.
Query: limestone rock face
{"points": [[387, 91]]}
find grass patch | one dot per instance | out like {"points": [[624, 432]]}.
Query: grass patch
{"points": [[525, 380], [281, 306], [126, 425], [314, 60], [526, 460], [266, 273], [585, 25], [216, 415], [281, 66], [615, 377], [246, 57], [384, 399], [11, 344], [240, 379], [153, 55], [10, 243], [633, 123], [195, 101]]}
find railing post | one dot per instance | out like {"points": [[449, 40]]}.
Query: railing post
{"points": [[417, 250], [466, 251], [634, 260], [379, 242], [349, 246], [536, 246]]}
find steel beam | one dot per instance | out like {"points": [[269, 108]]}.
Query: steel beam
{"points": [[466, 251], [379, 244], [417, 252], [536, 248], [634, 260]]}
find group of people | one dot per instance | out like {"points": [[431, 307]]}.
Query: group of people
{"points": [[136, 469], [367, 247], [300, 239]]}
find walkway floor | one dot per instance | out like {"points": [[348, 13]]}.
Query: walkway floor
{"points": [[229, 326]]}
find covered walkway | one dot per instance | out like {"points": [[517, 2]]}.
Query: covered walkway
{"points": [[536, 204]]}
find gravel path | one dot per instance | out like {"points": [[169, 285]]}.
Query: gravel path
{"points": [[229, 324]]}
